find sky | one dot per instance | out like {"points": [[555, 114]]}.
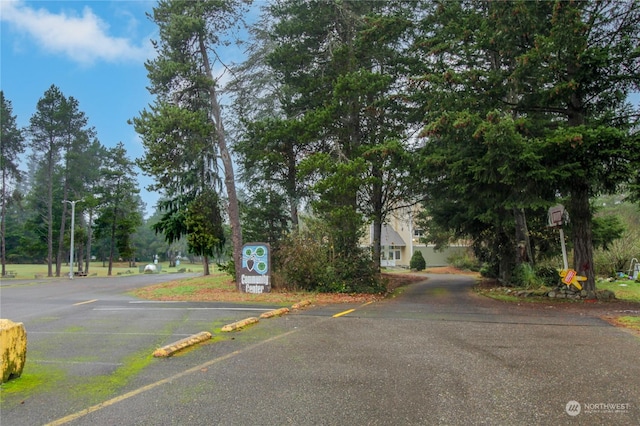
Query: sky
{"points": [[92, 50]]}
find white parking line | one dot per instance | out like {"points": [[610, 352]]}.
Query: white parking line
{"points": [[182, 309]]}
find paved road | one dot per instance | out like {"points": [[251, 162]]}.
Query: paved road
{"points": [[435, 355]]}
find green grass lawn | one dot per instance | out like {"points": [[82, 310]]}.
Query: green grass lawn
{"points": [[624, 289], [630, 322], [96, 269]]}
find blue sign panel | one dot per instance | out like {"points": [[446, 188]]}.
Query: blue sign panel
{"points": [[255, 274]]}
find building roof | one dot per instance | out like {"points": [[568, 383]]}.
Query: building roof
{"points": [[390, 237]]}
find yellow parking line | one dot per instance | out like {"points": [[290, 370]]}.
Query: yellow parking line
{"points": [[350, 310], [343, 313], [167, 380], [85, 302]]}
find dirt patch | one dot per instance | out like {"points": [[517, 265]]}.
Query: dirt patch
{"points": [[450, 270], [203, 291]]}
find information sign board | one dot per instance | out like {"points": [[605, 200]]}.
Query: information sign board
{"points": [[255, 274]]}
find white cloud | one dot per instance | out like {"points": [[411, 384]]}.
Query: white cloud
{"points": [[83, 38]]}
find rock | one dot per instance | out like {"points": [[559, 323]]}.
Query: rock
{"points": [[605, 295], [13, 347], [551, 294]]}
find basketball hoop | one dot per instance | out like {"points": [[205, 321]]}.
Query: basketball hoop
{"points": [[557, 216]]}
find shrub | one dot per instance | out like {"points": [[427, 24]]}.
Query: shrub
{"points": [[524, 276], [307, 264], [417, 261], [228, 268], [465, 260], [300, 263], [489, 270], [548, 275]]}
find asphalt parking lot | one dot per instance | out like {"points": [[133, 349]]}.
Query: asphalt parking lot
{"points": [[435, 355]]}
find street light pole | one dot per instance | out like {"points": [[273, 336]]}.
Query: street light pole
{"points": [[73, 226]]}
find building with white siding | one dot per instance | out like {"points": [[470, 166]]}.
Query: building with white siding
{"points": [[400, 237]]}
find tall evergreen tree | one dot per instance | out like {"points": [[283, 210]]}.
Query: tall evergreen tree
{"points": [[120, 206], [270, 143], [205, 233], [78, 161], [525, 100], [340, 67], [11, 146], [187, 116], [47, 137]]}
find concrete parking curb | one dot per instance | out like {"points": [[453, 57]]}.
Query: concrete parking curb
{"points": [[274, 313], [239, 324], [301, 305], [205, 335], [169, 350]]}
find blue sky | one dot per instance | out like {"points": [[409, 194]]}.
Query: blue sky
{"points": [[92, 50]]}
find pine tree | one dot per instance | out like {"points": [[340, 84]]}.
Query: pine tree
{"points": [[11, 146], [184, 128], [524, 101]]}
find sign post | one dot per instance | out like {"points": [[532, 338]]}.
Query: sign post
{"points": [[255, 274], [557, 217]]}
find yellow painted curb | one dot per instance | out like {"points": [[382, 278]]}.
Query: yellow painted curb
{"points": [[240, 324], [301, 304], [274, 313], [169, 350]]}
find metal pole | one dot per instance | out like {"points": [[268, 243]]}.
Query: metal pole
{"points": [[73, 226], [564, 249], [411, 232]]}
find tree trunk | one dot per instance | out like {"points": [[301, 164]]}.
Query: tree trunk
{"points": [[89, 236], [504, 252], [113, 241], [232, 206], [377, 203], [292, 189], [50, 216], [3, 215], [375, 244], [205, 264], [63, 220], [580, 217], [524, 253], [80, 257]]}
